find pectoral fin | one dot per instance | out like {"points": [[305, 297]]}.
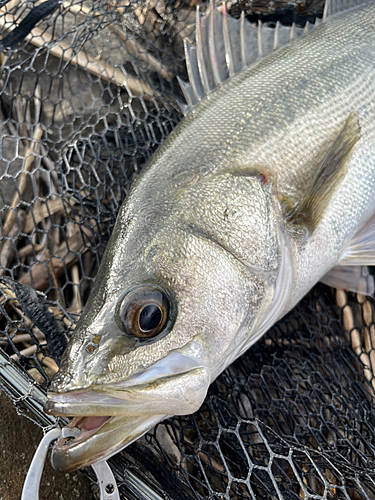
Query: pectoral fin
{"points": [[310, 209], [361, 249], [352, 274], [355, 279]]}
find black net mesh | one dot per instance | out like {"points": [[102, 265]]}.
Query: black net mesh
{"points": [[88, 91], [290, 419]]}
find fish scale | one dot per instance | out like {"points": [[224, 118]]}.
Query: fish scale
{"points": [[265, 188], [287, 109]]}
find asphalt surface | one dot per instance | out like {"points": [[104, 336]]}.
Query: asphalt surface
{"points": [[19, 438]]}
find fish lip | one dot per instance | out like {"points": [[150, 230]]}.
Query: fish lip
{"points": [[72, 405], [74, 401], [63, 447], [124, 425], [76, 453]]}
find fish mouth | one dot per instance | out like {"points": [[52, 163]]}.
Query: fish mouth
{"points": [[112, 416], [169, 383], [110, 423], [171, 393], [88, 426], [100, 438]]}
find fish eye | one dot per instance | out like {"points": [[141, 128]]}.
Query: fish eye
{"points": [[144, 312]]}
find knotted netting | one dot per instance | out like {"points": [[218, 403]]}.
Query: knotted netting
{"points": [[88, 91]]}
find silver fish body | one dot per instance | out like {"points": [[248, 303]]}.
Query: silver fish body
{"points": [[207, 227]]}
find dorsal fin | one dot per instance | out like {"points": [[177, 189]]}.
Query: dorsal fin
{"points": [[225, 46]]}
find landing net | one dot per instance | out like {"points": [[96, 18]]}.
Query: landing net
{"points": [[88, 91]]}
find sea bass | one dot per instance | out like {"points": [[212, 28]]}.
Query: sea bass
{"points": [[266, 187]]}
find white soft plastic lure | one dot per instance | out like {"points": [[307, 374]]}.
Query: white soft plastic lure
{"points": [[266, 187]]}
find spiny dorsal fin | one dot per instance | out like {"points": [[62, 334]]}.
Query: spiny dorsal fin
{"points": [[333, 7], [225, 46], [309, 210]]}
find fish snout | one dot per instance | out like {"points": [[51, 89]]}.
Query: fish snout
{"points": [[177, 394], [111, 417]]}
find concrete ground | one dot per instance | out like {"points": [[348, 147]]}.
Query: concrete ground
{"points": [[19, 439]]}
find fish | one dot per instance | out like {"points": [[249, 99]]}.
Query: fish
{"points": [[266, 187]]}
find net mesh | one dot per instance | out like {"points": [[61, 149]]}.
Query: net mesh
{"points": [[88, 91], [290, 419]]}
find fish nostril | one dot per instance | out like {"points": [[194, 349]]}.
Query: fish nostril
{"points": [[94, 344], [91, 347]]}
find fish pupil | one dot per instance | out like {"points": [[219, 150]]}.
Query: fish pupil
{"points": [[150, 318]]}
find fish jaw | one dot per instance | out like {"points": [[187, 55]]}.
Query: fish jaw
{"points": [[177, 395], [113, 416], [100, 443]]}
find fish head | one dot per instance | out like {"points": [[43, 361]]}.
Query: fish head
{"points": [[173, 300]]}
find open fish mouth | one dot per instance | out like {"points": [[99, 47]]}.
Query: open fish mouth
{"points": [[88, 426], [100, 438], [112, 417]]}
